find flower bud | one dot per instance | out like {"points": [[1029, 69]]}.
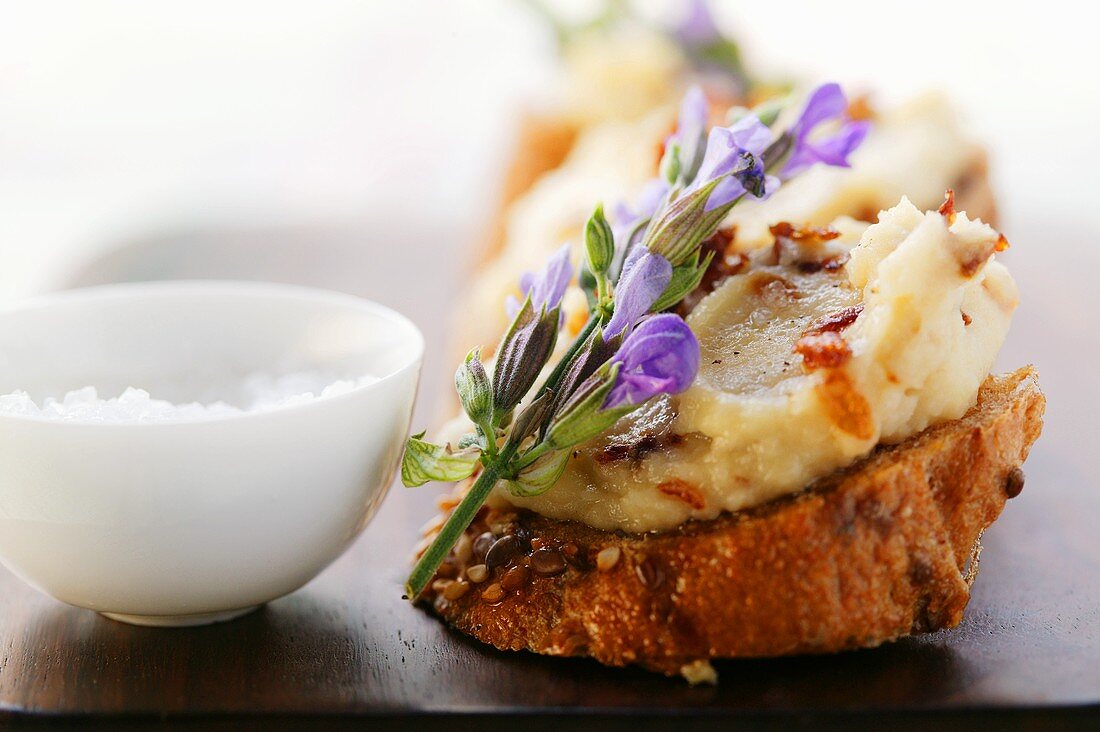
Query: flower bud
{"points": [[474, 389], [679, 230], [599, 241], [523, 352], [670, 163], [541, 475]]}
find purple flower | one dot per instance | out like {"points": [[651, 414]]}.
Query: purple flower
{"points": [[645, 277], [627, 219], [691, 130], [660, 356], [546, 287], [734, 157], [826, 103], [697, 28]]}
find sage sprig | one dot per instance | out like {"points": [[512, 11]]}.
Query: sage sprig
{"points": [[629, 351]]}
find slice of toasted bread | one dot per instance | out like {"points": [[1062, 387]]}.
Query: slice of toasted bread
{"points": [[885, 548]]}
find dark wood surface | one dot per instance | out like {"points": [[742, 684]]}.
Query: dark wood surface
{"points": [[1027, 654]]}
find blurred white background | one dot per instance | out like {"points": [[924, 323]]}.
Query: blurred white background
{"points": [[124, 119]]}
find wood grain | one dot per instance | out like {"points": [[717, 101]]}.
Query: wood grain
{"points": [[1027, 653]]}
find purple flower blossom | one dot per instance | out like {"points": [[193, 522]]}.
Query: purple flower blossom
{"points": [[660, 356], [691, 130], [547, 286], [697, 28], [726, 159], [645, 277], [627, 219], [826, 103]]}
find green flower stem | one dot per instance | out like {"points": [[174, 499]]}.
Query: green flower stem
{"points": [[556, 375], [496, 466], [490, 439], [531, 456], [461, 517]]}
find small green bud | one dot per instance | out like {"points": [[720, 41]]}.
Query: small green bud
{"points": [[671, 164], [474, 389], [683, 225], [599, 241]]}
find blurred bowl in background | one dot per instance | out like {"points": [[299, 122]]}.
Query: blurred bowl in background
{"points": [[194, 521]]}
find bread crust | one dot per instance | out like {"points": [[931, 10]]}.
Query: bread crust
{"points": [[880, 550]]}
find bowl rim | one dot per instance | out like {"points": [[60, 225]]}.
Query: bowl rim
{"points": [[247, 288]]}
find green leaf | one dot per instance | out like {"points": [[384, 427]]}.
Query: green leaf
{"points": [[541, 475], [685, 278], [424, 462], [583, 416]]}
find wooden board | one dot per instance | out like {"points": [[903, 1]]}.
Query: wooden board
{"points": [[345, 646]]}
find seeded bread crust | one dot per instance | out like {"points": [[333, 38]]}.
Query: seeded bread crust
{"points": [[883, 549]]}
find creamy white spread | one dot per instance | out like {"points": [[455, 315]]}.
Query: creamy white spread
{"points": [[917, 149], [929, 310]]}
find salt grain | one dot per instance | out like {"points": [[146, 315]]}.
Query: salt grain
{"points": [[260, 392]]}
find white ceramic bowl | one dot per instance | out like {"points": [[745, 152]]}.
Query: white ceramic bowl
{"points": [[189, 522]]}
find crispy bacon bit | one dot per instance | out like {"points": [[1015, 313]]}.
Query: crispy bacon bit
{"points": [[967, 320], [636, 451], [802, 248], [846, 407], [684, 491], [832, 264], [726, 262], [804, 235], [1002, 244], [826, 350], [867, 213], [809, 234], [947, 208], [970, 266], [835, 322]]}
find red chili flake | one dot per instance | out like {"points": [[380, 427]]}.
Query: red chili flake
{"points": [[970, 267], [835, 322], [967, 320], [947, 208], [1001, 244], [787, 230], [823, 350]]}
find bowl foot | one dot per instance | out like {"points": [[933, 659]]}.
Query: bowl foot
{"points": [[179, 621]]}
